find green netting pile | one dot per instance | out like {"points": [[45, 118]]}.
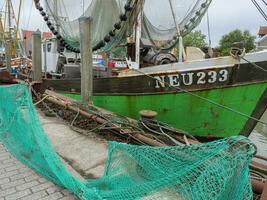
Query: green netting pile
{"points": [[217, 170]]}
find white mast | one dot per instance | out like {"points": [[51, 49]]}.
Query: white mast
{"points": [[138, 33], [181, 46], [56, 15]]}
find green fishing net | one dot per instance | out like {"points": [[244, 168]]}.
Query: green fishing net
{"points": [[216, 170]]}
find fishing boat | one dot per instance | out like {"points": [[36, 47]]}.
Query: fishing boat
{"points": [[214, 97]]}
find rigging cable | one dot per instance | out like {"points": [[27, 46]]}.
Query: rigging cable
{"points": [[254, 64], [265, 2], [30, 13], [260, 9]]}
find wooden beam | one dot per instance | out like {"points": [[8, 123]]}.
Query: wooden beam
{"points": [[86, 60], [37, 56]]}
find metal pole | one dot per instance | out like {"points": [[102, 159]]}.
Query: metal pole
{"points": [[137, 38], [45, 58], [210, 51], [138, 32], [37, 56], [181, 46], [86, 59]]}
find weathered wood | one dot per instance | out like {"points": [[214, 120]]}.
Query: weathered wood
{"points": [[69, 106], [8, 47], [37, 56], [86, 59]]}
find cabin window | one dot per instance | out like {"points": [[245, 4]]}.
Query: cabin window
{"points": [[49, 47]]}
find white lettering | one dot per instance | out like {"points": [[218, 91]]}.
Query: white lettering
{"points": [[201, 76], [224, 75], [187, 78], [160, 82], [174, 80], [213, 77]]}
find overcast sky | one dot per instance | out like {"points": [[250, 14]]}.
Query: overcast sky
{"points": [[225, 16]]}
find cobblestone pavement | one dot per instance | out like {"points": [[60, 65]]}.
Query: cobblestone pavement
{"points": [[19, 182]]}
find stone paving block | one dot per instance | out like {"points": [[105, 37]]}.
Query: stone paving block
{"points": [[12, 168], [53, 189], [4, 193], [12, 184], [32, 177], [42, 180], [4, 181], [8, 174], [18, 195], [42, 186], [27, 185], [24, 176], [35, 196], [25, 169], [7, 165], [54, 196], [9, 160], [19, 182]]}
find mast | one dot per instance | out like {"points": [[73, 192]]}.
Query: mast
{"points": [[9, 38], [181, 46], [210, 51], [138, 33], [56, 15], [17, 36]]}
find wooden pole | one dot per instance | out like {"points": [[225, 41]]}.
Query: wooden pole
{"points": [[86, 60], [37, 56], [8, 55]]}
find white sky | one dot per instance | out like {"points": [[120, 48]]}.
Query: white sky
{"points": [[225, 16]]}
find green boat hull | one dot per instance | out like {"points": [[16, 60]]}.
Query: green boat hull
{"points": [[194, 115]]}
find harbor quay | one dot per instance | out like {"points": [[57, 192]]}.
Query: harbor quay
{"points": [[20, 182]]}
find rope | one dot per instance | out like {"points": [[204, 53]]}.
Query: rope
{"points": [[78, 113], [40, 101], [254, 64], [204, 99], [238, 53]]}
